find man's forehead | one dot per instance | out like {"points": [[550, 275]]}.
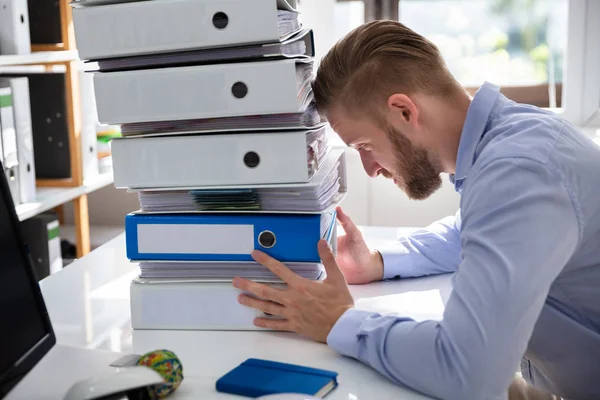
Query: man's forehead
{"points": [[338, 120]]}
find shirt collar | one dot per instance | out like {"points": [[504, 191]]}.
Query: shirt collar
{"points": [[474, 128]]}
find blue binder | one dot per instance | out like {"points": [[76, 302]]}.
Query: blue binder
{"points": [[227, 237]]}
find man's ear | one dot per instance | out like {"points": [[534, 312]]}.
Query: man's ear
{"points": [[403, 110]]}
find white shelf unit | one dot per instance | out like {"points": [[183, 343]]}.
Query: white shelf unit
{"points": [[39, 57], [50, 197]]}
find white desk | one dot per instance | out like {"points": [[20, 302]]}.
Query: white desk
{"points": [[88, 303]]}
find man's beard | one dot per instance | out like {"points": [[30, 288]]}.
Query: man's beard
{"points": [[416, 174]]}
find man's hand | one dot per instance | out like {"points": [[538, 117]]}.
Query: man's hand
{"points": [[308, 307], [357, 262]]}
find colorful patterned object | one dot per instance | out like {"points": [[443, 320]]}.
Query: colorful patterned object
{"points": [[167, 364]]}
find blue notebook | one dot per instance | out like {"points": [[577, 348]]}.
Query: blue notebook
{"points": [[255, 377]]}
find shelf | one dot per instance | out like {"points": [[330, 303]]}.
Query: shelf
{"points": [[41, 57], [48, 198]]}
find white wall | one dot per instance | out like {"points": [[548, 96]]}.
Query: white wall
{"points": [[379, 202]]}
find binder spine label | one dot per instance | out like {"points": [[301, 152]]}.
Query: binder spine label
{"points": [[195, 239]]}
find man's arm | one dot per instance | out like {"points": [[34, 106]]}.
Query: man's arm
{"points": [[432, 250], [519, 228]]}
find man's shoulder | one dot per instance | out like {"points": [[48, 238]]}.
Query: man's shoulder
{"points": [[522, 132]]}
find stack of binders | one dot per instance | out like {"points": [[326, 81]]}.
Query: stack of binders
{"points": [[222, 143]]}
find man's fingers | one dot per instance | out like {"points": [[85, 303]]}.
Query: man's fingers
{"points": [[275, 267], [276, 324], [261, 290], [334, 273], [265, 306], [349, 227]]}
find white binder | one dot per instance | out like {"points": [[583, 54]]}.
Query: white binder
{"points": [[190, 304], [146, 27], [14, 27], [225, 159], [326, 188], [10, 159], [205, 91], [89, 121], [22, 116]]}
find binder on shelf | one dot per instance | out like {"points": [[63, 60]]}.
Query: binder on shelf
{"points": [[204, 91], [200, 305], [8, 137], [227, 237], [89, 122], [22, 116], [326, 188], [14, 27], [44, 22], [224, 159], [300, 45], [41, 232], [48, 99], [146, 27]]}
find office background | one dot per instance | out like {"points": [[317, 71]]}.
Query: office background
{"points": [[546, 56], [480, 40]]}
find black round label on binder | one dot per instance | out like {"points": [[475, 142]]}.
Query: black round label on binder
{"points": [[239, 90], [28, 167], [266, 239], [251, 159], [220, 20]]}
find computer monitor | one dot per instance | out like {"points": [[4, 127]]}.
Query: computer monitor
{"points": [[26, 334]]}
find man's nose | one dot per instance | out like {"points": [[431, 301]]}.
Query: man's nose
{"points": [[371, 167]]}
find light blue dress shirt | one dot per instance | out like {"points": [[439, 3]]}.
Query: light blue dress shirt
{"points": [[525, 246]]}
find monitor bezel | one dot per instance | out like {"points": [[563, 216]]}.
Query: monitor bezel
{"points": [[10, 378]]}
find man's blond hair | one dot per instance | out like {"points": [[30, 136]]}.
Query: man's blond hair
{"points": [[376, 60]]}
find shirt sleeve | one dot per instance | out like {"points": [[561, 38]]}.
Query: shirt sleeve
{"points": [[432, 250], [519, 229]]}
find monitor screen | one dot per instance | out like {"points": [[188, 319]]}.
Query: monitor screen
{"points": [[26, 331]]}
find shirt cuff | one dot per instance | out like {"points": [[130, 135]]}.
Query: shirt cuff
{"points": [[397, 261], [343, 337]]}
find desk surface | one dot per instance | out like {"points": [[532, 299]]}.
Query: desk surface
{"points": [[88, 303]]}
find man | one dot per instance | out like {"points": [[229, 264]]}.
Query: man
{"points": [[525, 244]]}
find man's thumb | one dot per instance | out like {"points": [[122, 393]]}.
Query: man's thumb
{"points": [[334, 273]]}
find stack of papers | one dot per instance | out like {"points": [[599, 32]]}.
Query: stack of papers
{"points": [[221, 200], [216, 270], [317, 149], [320, 193], [288, 23], [304, 75], [308, 118], [312, 198], [223, 144]]}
